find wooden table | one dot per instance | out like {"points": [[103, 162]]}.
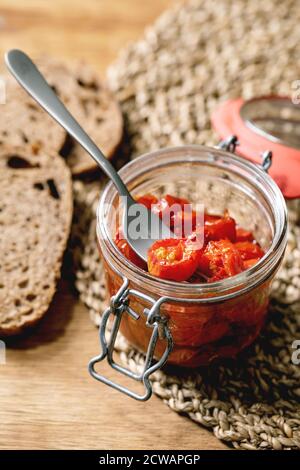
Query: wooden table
{"points": [[47, 398]]}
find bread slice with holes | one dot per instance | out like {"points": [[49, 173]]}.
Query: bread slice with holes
{"points": [[24, 123], [35, 219], [92, 104]]}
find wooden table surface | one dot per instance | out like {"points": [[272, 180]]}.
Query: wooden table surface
{"points": [[47, 398]]}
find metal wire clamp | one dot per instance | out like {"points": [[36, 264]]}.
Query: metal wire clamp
{"points": [[119, 306], [230, 144]]}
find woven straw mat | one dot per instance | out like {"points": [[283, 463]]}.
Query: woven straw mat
{"points": [[195, 56]]}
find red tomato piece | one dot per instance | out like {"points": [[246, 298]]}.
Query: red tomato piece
{"points": [[243, 235], [172, 259], [172, 200], [147, 200], [127, 251], [184, 222], [248, 263], [219, 228], [177, 214], [227, 250], [161, 207], [249, 250], [211, 218], [219, 260]]}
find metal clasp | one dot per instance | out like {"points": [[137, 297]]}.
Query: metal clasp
{"points": [[266, 160], [232, 142], [119, 306]]}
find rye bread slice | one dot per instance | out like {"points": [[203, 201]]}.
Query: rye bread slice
{"points": [[24, 123], [35, 219], [92, 104]]}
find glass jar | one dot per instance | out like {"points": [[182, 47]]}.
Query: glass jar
{"points": [[206, 321]]}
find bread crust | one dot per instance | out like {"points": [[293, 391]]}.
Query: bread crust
{"points": [[35, 218], [91, 103]]}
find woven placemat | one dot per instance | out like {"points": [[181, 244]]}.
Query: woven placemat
{"points": [[194, 57]]}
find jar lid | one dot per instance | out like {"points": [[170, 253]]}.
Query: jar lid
{"points": [[265, 123]]}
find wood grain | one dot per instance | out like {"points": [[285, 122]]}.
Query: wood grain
{"points": [[73, 29], [47, 398]]}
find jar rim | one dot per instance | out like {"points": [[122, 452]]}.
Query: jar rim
{"points": [[252, 276]]}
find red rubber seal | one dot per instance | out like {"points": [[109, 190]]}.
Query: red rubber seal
{"points": [[285, 169]]}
